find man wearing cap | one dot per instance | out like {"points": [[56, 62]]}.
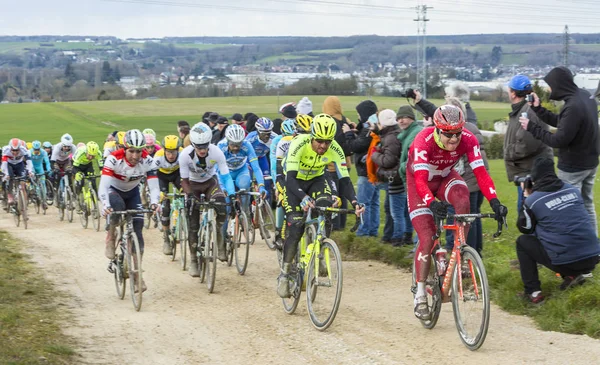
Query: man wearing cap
{"points": [[520, 147], [554, 236], [238, 119], [576, 136], [219, 130]]}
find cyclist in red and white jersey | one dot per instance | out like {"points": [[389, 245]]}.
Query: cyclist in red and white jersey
{"points": [[430, 175], [119, 187], [16, 162]]}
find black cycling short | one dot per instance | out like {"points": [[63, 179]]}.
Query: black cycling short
{"points": [[165, 179]]}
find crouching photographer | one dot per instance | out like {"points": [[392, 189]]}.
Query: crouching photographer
{"points": [[556, 233]]}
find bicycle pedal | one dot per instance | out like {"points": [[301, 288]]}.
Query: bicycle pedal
{"points": [[110, 267]]}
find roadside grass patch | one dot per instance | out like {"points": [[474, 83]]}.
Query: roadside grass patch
{"points": [[30, 316]]}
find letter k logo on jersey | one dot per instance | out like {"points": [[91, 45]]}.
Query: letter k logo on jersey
{"points": [[420, 155], [492, 191], [477, 151], [422, 257]]}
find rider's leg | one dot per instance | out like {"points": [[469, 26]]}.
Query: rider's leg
{"points": [[117, 204], [293, 234], [133, 201], [242, 181], [214, 191], [455, 191], [194, 226]]}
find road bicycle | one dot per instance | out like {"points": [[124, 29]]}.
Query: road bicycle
{"points": [[19, 206], [462, 280], [206, 249], [127, 263], [318, 263], [236, 238], [178, 229], [37, 194], [65, 201], [87, 200]]}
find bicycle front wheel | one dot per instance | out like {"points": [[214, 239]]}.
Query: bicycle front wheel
{"points": [[69, 204], [49, 192], [325, 278], [241, 243], [60, 204], [296, 276], [95, 210], [22, 203], [210, 255], [183, 240], [118, 271], [83, 217], [134, 263], [471, 299], [267, 225]]}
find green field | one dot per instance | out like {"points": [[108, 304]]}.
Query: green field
{"points": [[20, 47], [93, 120]]}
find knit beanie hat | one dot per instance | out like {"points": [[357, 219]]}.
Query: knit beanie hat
{"points": [[304, 106], [405, 111], [387, 118], [543, 167]]}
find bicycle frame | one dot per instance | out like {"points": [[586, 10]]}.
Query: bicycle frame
{"points": [[460, 220]]}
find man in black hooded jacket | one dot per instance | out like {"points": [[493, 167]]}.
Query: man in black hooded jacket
{"points": [[577, 133]]}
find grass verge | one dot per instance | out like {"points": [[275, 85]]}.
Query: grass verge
{"points": [[575, 311], [30, 316]]}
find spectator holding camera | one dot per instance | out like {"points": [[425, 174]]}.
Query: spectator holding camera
{"points": [[554, 235], [521, 148], [576, 136]]}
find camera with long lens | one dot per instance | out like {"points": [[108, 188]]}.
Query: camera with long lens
{"points": [[526, 180]]}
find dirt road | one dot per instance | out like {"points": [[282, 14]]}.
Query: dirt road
{"points": [[243, 321]]}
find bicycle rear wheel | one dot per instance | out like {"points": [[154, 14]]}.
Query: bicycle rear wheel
{"points": [[16, 210], [471, 299], [60, 204], [252, 219], [434, 294], [134, 263], [200, 251], [49, 192], [325, 278], [118, 271], [266, 224], [95, 210], [210, 255], [241, 244], [183, 240], [22, 204]]}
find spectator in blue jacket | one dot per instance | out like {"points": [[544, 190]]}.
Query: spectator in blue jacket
{"points": [[555, 235]]}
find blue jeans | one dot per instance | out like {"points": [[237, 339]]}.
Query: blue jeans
{"points": [[368, 194], [398, 208], [388, 228], [519, 199]]}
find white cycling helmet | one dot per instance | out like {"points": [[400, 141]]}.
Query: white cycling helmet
{"points": [[200, 135], [66, 140], [235, 133], [134, 138]]}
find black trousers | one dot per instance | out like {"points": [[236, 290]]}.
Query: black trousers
{"points": [[531, 252]]}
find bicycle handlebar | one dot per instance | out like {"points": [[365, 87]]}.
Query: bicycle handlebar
{"points": [[132, 211], [469, 218], [323, 210]]}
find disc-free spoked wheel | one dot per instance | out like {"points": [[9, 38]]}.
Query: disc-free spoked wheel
{"points": [[134, 264], [83, 217], [241, 244], [183, 240], [210, 255], [60, 203], [22, 205], [95, 210], [471, 299], [69, 204], [267, 225], [434, 294], [296, 277], [325, 278], [119, 267]]}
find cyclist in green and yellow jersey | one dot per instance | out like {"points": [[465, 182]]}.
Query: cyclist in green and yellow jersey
{"points": [[307, 187], [82, 163]]}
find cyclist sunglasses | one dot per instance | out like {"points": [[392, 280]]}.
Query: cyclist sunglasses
{"points": [[134, 150], [323, 141], [450, 135]]}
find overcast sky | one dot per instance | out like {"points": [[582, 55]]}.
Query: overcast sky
{"points": [[159, 18]]}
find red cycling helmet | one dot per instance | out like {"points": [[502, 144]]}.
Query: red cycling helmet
{"points": [[448, 118], [14, 143]]}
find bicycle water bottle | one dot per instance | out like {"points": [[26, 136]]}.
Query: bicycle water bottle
{"points": [[175, 217], [440, 258]]}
